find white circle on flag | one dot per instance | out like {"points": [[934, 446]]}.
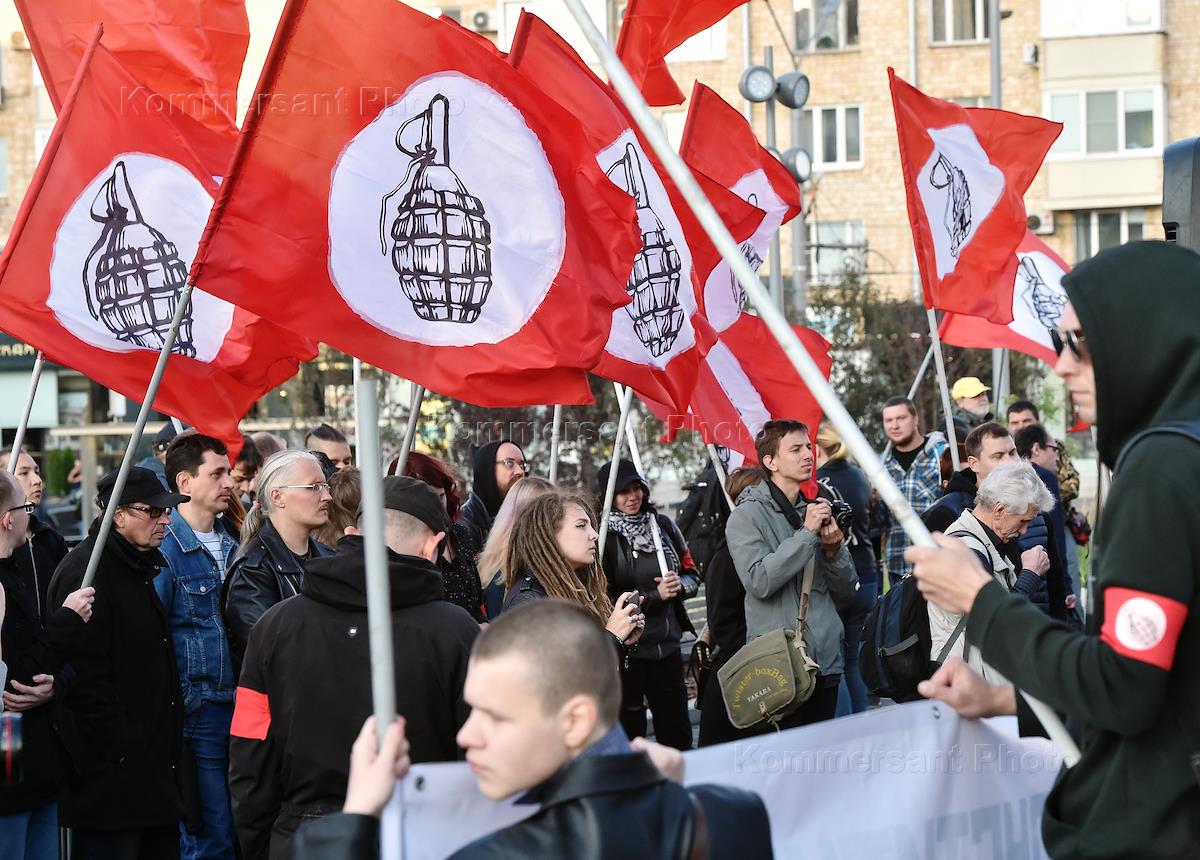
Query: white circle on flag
{"points": [[456, 244], [653, 342], [134, 230], [1140, 624], [723, 295]]}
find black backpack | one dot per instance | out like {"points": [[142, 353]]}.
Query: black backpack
{"points": [[702, 518]]}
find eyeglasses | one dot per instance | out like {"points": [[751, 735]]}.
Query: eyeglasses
{"points": [[1053, 447], [512, 465], [27, 507], [319, 487], [151, 513], [1072, 340]]}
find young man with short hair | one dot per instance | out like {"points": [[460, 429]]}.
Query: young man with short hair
{"points": [[915, 465], [331, 442], [197, 550], [1022, 413], [770, 556], [989, 445]]}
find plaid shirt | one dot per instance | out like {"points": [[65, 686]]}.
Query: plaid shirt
{"points": [[922, 486]]}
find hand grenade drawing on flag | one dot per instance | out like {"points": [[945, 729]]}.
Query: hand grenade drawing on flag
{"points": [[752, 257], [957, 218], [654, 282], [441, 238], [133, 275], [1046, 304]]}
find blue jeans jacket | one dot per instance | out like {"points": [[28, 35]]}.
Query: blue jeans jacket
{"points": [[190, 590]]}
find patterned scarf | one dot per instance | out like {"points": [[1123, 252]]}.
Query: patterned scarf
{"points": [[635, 528]]}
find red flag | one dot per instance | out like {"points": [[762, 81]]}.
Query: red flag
{"points": [[965, 171], [186, 56], [101, 248], [719, 143], [656, 343], [651, 29], [447, 223], [1037, 303]]}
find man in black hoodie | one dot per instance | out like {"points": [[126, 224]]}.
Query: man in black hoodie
{"points": [[1129, 351], [498, 465], [305, 686]]}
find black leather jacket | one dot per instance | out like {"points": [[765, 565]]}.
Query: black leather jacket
{"points": [[261, 574]]}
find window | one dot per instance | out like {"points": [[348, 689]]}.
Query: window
{"points": [[835, 249], [827, 25], [959, 20], [706, 45], [972, 101], [1066, 18], [1105, 121], [833, 136], [3, 166], [556, 15], [1098, 229]]}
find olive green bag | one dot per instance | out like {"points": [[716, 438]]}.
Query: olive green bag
{"points": [[772, 676]]}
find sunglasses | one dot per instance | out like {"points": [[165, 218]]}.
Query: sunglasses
{"points": [[151, 513], [1072, 340], [27, 507]]}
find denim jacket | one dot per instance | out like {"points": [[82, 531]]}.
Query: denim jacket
{"points": [[190, 589]]}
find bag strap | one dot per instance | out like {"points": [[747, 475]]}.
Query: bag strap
{"points": [[701, 849], [958, 631], [806, 592]]}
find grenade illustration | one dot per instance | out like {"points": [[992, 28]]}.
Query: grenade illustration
{"points": [[958, 201], [133, 275], [441, 238], [1046, 304], [752, 257], [654, 282]]}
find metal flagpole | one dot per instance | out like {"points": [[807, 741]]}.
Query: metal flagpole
{"points": [[636, 456], [912, 392], [379, 612], [720, 470], [135, 438], [177, 424], [833, 408], [410, 432], [357, 375], [610, 490], [936, 346], [26, 412], [555, 440]]}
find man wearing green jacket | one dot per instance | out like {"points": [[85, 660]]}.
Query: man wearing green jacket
{"points": [[1129, 351]]}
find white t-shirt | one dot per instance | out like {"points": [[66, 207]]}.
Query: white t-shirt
{"points": [[212, 543]]}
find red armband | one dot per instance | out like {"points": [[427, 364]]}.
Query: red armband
{"points": [[1142, 626], [251, 715]]}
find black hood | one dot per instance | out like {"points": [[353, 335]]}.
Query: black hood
{"points": [[1139, 308], [483, 481], [340, 580], [963, 481]]}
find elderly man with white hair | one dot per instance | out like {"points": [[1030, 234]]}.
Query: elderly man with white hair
{"points": [[1007, 501]]}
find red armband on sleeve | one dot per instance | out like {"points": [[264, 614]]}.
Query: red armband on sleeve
{"points": [[1142, 626], [251, 715]]}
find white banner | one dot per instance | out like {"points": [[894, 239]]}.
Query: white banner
{"points": [[910, 781]]}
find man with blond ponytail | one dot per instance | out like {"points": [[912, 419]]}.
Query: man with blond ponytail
{"points": [[292, 500]]}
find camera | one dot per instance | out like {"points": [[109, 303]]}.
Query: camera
{"points": [[843, 515]]}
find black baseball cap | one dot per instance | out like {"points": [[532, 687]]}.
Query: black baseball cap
{"points": [[141, 485], [162, 439], [417, 499]]}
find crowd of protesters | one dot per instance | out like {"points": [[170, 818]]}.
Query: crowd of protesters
{"points": [[203, 698]]}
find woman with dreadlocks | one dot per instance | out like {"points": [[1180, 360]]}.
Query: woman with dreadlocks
{"points": [[653, 672], [553, 554]]}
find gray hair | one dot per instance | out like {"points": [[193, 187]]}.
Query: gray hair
{"points": [[1016, 487], [276, 471]]}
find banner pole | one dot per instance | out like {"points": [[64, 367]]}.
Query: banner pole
{"points": [[26, 412], [356, 372], [636, 456], [721, 475], [610, 489], [936, 346], [379, 611], [135, 438], [410, 432], [555, 440], [912, 392], [833, 408]]}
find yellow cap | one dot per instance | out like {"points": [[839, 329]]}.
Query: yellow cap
{"points": [[968, 386]]}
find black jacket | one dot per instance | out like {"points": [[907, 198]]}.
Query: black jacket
{"points": [[628, 570], [1130, 684], [309, 667], [34, 631], [261, 573], [612, 807], [121, 719], [527, 589]]}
